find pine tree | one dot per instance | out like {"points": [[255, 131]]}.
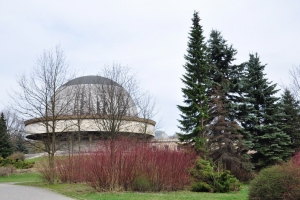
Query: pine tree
{"points": [[5, 145], [261, 117], [225, 141], [195, 111], [20, 144], [290, 117]]}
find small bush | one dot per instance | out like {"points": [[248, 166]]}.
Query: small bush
{"points": [[6, 171], [226, 182], [202, 187], [23, 165], [276, 182], [17, 156], [141, 184], [17, 161], [267, 185], [206, 179], [5, 162]]}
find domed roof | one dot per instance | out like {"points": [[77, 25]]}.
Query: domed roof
{"points": [[95, 95], [91, 80]]}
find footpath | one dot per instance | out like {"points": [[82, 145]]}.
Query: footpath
{"points": [[9, 191]]}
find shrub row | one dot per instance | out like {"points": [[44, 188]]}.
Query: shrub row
{"points": [[16, 160], [127, 165]]}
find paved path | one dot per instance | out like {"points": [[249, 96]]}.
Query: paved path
{"points": [[10, 191]]}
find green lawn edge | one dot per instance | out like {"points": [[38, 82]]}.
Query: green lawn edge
{"points": [[83, 191]]}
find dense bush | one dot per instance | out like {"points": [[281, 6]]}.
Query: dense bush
{"points": [[206, 179], [268, 185], [12, 162], [141, 184], [16, 160], [17, 156], [127, 165], [277, 182], [6, 171]]}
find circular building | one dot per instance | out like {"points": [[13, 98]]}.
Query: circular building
{"points": [[91, 108]]}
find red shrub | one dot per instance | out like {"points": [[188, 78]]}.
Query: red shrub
{"points": [[296, 159], [291, 181], [71, 168], [116, 164]]}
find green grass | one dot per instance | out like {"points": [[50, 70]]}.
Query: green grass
{"points": [[37, 159], [83, 191], [21, 177], [164, 196]]}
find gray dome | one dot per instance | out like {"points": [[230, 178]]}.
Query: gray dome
{"points": [[91, 80], [95, 95]]}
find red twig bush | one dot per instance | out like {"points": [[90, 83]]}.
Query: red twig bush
{"points": [[127, 164]]}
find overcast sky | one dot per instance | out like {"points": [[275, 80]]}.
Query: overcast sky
{"points": [[150, 37]]}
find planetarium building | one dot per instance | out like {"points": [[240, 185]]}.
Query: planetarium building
{"points": [[92, 108]]}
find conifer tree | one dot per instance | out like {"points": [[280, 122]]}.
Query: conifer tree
{"points": [[5, 145], [194, 113], [261, 117], [290, 117], [225, 141], [20, 144]]}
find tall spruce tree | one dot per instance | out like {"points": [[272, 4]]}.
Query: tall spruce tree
{"points": [[221, 56], [290, 117], [261, 117], [225, 141], [195, 111], [5, 145]]}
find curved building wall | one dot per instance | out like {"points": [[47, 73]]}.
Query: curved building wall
{"points": [[98, 103], [67, 124]]}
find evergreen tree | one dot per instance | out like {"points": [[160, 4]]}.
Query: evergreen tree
{"points": [[225, 141], [194, 113], [221, 56], [5, 145], [290, 117], [261, 117], [20, 144]]}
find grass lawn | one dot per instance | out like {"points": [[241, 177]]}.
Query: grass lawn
{"points": [[37, 159], [21, 177], [83, 191]]}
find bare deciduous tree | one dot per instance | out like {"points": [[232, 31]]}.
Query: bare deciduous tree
{"points": [[119, 101], [295, 81], [146, 106], [42, 99], [114, 99]]}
